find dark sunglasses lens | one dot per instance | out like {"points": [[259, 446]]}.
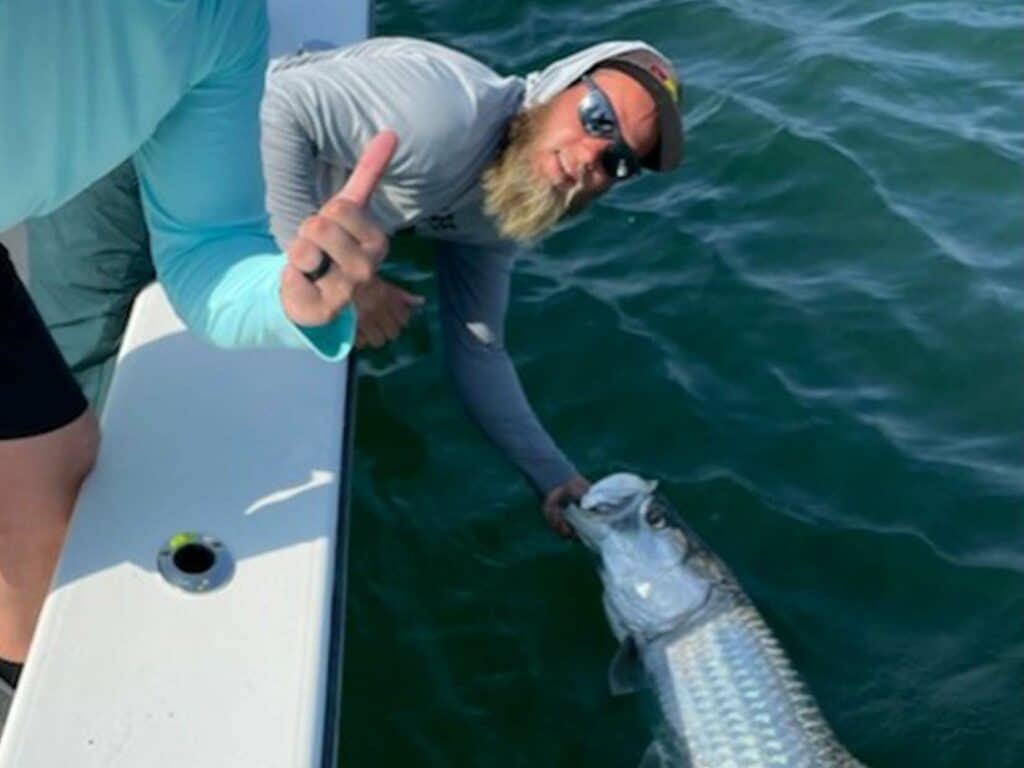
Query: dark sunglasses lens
{"points": [[619, 162], [598, 119], [597, 116]]}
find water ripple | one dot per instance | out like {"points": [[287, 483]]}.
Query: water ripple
{"points": [[919, 443], [812, 334]]}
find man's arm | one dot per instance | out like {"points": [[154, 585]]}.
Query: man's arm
{"points": [[288, 164], [202, 190], [474, 286]]}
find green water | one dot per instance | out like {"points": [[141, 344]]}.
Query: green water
{"points": [[813, 335]]}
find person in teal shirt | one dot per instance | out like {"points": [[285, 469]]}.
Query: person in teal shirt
{"points": [[174, 85]]}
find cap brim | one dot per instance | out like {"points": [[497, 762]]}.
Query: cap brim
{"points": [[669, 152]]}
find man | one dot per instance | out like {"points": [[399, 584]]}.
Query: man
{"points": [[176, 87], [485, 162]]}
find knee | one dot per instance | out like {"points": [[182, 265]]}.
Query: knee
{"points": [[83, 445], [73, 451], [44, 473]]}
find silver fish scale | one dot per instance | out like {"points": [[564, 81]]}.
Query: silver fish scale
{"points": [[731, 695]]}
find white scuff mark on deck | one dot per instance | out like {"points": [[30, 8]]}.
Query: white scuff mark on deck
{"points": [[317, 479]]}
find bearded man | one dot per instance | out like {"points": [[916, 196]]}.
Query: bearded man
{"points": [[484, 164]]}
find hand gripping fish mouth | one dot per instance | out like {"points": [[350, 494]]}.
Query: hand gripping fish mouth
{"points": [[728, 693]]}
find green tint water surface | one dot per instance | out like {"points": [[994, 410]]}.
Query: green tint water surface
{"points": [[813, 335]]}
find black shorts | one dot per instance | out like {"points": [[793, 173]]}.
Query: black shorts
{"points": [[38, 394]]}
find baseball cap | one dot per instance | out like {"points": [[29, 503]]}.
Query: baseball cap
{"points": [[658, 77]]}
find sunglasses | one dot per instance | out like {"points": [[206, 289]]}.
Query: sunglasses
{"points": [[598, 119]]}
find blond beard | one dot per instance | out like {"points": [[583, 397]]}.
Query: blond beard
{"points": [[523, 206]]}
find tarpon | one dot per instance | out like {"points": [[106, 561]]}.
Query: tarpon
{"points": [[729, 695]]}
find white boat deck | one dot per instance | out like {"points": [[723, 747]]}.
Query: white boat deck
{"points": [[248, 448]]}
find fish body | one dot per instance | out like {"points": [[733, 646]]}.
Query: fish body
{"points": [[729, 695]]}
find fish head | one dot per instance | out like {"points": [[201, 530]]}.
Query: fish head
{"points": [[649, 583], [612, 504]]}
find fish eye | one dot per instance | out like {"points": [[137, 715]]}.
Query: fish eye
{"points": [[655, 516]]}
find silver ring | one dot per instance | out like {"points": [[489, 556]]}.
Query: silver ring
{"points": [[321, 269]]}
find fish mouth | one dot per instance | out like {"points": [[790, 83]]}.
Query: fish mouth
{"points": [[616, 494], [590, 526], [607, 512]]}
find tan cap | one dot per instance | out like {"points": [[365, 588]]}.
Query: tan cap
{"points": [[659, 78]]}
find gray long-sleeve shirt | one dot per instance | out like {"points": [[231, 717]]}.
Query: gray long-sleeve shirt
{"points": [[450, 113]]}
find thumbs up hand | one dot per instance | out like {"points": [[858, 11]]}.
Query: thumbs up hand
{"points": [[338, 248]]}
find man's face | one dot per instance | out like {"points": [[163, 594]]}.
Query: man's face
{"points": [[567, 157], [552, 166]]}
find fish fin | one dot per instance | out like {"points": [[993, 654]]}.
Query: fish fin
{"points": [[626, 673], [655, 756]]}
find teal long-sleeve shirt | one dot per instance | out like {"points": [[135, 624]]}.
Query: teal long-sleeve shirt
{"points": [[175, 85]]}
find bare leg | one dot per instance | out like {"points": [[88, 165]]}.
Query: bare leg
{"points": [[39, 481]]}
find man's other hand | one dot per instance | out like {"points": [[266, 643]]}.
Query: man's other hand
{"points": [[557, 499], [384, 311], [345, 232]]}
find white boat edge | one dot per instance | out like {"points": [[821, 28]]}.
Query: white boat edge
{"points": [[252, 448]]}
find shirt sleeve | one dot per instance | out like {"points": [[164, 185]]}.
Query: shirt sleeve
{"points": [[474, 287], [202, 190], [288, 159]]}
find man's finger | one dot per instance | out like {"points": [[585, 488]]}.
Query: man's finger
{"points": [[412, 299], [304, 254], [383, 324], [300, 298], [328, 238], [375, 339], [357, 223], [397, 312], [400, 319], [370, 168]]}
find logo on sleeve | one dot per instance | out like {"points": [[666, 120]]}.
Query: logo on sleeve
{"points": [[443, 222]]}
